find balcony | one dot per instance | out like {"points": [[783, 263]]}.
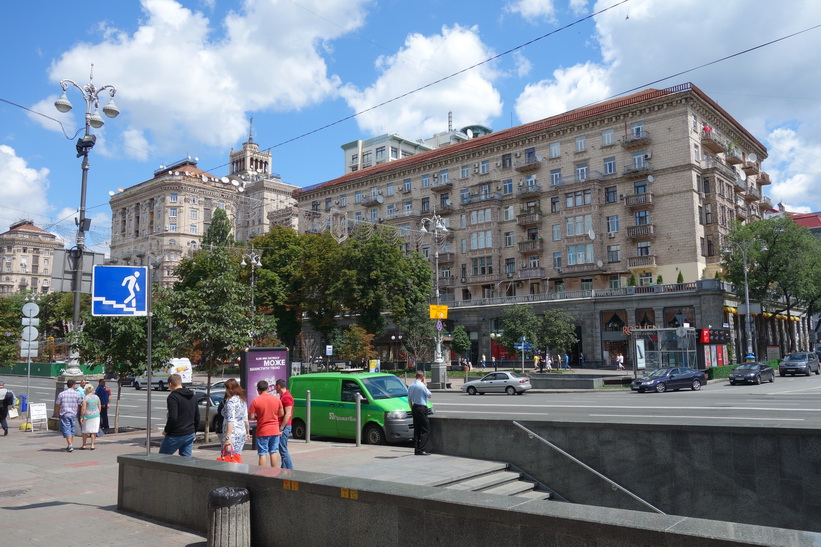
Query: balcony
{"points": [[531, 273], [446, 258], [712, 142], [763, 178], [447, 281], [528, 219], [531, 246], [733, 155], [582, 269], [645, 231], [752, 194], [712, 163], [741, 212], [648, 261], [441, 186], [404, 189], [444, 208], [528, 165], [639, 200], [751, 167], [483, 278], [403, 214], [479, 198], [635, 139], [767, 202], [528, 191], [367, 201], [637, 170]]}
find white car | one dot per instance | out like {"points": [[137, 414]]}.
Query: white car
{"points": [[499, 382]]}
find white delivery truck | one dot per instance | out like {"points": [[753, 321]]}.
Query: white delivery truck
{"points": [[159, 378]]}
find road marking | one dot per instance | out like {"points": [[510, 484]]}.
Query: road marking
{"points": [[711, 417], [628, 407]]}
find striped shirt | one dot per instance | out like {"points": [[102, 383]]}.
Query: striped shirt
{"points": [[69, 401]]}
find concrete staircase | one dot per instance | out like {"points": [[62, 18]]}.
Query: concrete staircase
{"points": [[501, 481]]}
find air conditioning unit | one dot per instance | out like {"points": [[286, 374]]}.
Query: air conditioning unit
{"points": [[336, 201], [498, 164], [518, 154], [167, 227], [436, 175], [621, 196], [521, 183], [509, 274], [611, 235], [648, 155], [476, 166]]}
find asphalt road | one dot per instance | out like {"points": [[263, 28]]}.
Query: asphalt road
{"points": [[789, 401]]}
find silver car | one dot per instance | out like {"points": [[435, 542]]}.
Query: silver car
{"points": [[217, 396], [499, 382], [799, 363]]}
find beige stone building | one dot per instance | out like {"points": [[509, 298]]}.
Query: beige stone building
{"points": [[27, 258], [162, 220], [645, 186]]}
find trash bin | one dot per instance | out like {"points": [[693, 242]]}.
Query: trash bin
{"points": [[229, 517], [23, 404]]}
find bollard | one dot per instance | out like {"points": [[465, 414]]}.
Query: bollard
{"points": [[229, 517], [308, 416], [358, 419]]}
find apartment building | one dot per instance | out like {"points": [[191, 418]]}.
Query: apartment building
{"points": [[27, 258], [642, 188], [162, 220]]}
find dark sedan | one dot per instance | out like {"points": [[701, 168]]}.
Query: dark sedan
{"points": [[665, 379], [753, 373]]}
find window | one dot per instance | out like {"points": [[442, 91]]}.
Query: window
{"points": [[343, 200], [391, 211], [507, 186], [394, 153], [696, 153], [613, 223], [172, 227], [481, 240], [443, 176], [608, 137], [389, 189], [194, 200], [174, 198], [614, 281], [406, 185], [315, 205], [484, 167], [613, 252], [510, 266], [195, 214], [482, 265], [480, 215], [508, 213], [531, 181], [425, 181], [192, 229], [366, 159], [557, 232], [581, 143], [555, 150], [358, 197], [206, 215], [507, 160], [357, 216], [425, 205], [530, 155], [463, 220], [643, 248], [509, 239], [444, 200], [172, 212], [705, 185], [555, 177], [463, 172], [700, 214], [611, 194], [581, 172], [555, 204], [578, 198], [380, 153], [587, 283], [557, 260], [636, 130], [640, 187], [642, 218], [638, 160], [532, 234], [708, 214], [374, 214], [610, 165], [354, 159], [580, 254]]}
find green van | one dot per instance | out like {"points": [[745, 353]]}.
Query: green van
{"points": [[386, 416]]}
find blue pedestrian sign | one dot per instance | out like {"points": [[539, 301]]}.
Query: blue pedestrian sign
{"points": [[119, 291]]}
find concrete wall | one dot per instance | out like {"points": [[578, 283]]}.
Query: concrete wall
{"points": [[300, 508], [760, 475]]}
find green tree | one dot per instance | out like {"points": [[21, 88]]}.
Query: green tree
{"points": [[418, 333], [660, 279], [374, 275], [356, 345], [631, 281], [680, 278], [219, 231], [461, 341], [557, 331], [10, 329], [519, 321]]}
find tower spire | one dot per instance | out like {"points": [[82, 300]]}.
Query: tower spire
{"points": [[251, 131]]}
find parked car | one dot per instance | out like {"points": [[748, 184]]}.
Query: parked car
{"points": [[753, 373], [804, 363], [217, 396], [499, 382], [220, 384], [665, 379]]}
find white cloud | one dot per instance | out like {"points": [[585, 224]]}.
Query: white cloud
{"points": [[578, 7], [795, 168], [522, 63], [471, 95], [23, 190], [568, 89], [180, 77], [533, 10]]}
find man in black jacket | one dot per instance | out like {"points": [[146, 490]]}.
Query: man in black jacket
{"points": [[183, 417]]}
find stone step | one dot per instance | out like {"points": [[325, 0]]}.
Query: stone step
{"points": [[487, 480], [535, 495], [513, 488]]}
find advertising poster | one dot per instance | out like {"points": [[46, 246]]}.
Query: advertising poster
{"points": [[708, 361], [269, 364], [641, 363], [373, 365]]}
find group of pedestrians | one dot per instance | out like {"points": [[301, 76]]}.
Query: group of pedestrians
{"points": [[80, 403], [546, 363], [272, 413]]}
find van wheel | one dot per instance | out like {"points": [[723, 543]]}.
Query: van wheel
{"points": [[136, 385], [374, 434], [298, 429], [161, 386]]}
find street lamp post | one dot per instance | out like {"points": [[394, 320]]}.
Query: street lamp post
{"points": [[398, 339], [494, 337], [435, 226], [744, 247], [91, 96], [254, 260]]}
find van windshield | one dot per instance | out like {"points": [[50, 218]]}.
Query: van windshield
{"points": [[385, 387]]}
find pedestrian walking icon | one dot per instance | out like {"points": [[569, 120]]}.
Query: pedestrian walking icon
{"points": [[119, 291]]}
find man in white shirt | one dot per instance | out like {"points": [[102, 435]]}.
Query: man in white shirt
{"points": [[418, 394]]}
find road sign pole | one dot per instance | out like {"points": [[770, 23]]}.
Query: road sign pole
{"points": [[148, 361]]}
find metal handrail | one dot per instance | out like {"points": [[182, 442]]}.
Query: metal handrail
{"points": [[576, 460]]}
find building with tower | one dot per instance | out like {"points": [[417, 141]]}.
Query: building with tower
{"points": [[27, 258]]}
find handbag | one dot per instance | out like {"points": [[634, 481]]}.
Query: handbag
{"points": [[228, 455], [12, 412]]}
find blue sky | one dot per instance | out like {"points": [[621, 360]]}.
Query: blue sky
{"points": [[189, 75]]}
